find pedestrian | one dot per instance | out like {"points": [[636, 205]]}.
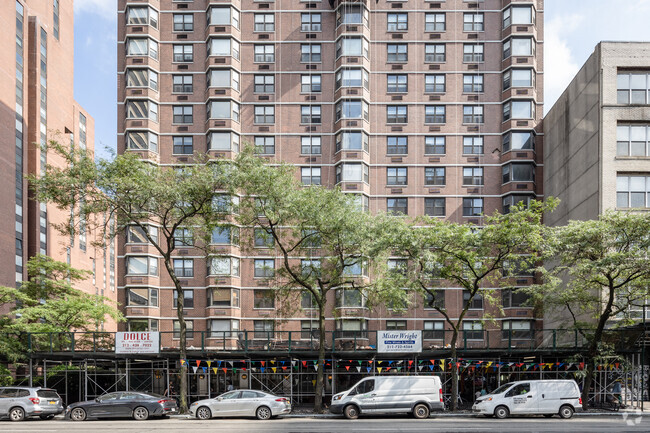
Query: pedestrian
{"points": [[230, 387], [477, 394], [483, 391], [616, 391]]}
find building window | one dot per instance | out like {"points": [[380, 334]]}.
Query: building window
{"points": [[473, 83], [520, 172], [184, 267], [136, 234], [435, 145], [310, 83], [310, 175], [264, 23], [435, 114], [265, 145], [397, 83], [396, 325], [218, 297], [310, 114], [352, 172], [223, 47], [264, 83], [434, 22], [472, 145], [434, 206], [223, 328], [189, 328], [264, 268], [351, 46], [188, 299], [518, 110], [351, 109], [264, 114], [223, 110], [472, 176], [309, 330], [473, 22], [434, 176], [352, 14], [632, 140], [398, 22], [224, 16], [183, 53], [136, 15], [352, 140], [349, 298], [142, 140], [397, 206], [310, 53], [141, 265], [517, 78], [472, 114], [225, 236], [518, 47], [310, 145], [142, 47], [632, 191], [142, 325], [142, 297], [228, 141], [263, 329], [351, 328], [472, 330], [434, 53], [223, 78], [263, 298], [516, 330], [472, 207], [183, 237], [352, 78], [518, 141], [396, 176], [310, 268], [434, 330], [263, 238], [183, 22], [227, 266], [632, 87], [473, 53], [397, 52], [142, 110], [182, 84], [521, 15], [396, 114], [434, 83], [514, 298], [182, 114], [264, 53], [397, 145], [307, 301], [512, 200], [142, 78], [310, 22]]}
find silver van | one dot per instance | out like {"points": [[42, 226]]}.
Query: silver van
{"points": [[20, 402], [531, 397], [418, 395]]}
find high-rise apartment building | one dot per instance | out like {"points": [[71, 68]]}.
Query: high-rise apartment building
{"points": [[37, 105], [418, 107]]}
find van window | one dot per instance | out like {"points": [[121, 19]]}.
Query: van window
{"points": [[47, 393], [365, 386], [502, 388], [522, 388]]}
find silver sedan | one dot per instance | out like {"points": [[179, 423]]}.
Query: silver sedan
{"points": [[241, 403]]}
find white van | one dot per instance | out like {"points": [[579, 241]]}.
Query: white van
{"points": [[418, 395], [531, 397]]}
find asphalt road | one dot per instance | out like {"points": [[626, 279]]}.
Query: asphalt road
{"points": [[328, 425]]}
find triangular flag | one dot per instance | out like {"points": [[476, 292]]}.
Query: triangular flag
{"points": [[315, 367], [359, 368], [219, 364], [358, 362], [209, 363], [388, 369], [224, 369], [205, 369], [195, 368], [399, 368], [284, 367], [433, 361], [368, 368], [390, 362], [410, 363], [293, 362], [262, 369], [183, 362], [230, 363], [431, 367], [379, 369], [304, 363], [370, 361], [198, 362], [215, 370], [263, 363], [313, 382], [274, 369], [347, 367], [273, 361], [420, 367]]}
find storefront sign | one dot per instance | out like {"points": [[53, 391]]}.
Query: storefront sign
{"points": [[137, 342], [399, 341]]}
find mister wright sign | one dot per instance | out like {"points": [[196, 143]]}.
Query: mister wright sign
{"points": [[399, 341]]}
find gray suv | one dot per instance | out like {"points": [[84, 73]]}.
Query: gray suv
{"points": [[20, 402]]}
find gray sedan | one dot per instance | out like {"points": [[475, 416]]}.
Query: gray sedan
{"points": [[241, 403]]}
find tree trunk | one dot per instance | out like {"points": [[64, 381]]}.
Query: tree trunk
{"points": [[591, 354], [320, 374], [454, 373]]}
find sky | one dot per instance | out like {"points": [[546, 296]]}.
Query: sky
{"points": [[572, 30]]}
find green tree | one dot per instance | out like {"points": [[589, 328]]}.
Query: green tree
{"points": [[470, 257], [151, 202], [321, 238], [48, 302], [600, 269]]}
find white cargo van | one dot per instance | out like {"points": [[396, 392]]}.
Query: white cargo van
{"points": [[418, 395], [531, 397]]}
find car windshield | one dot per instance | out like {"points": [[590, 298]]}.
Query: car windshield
{"points": [[501, 389], [47, 393]]}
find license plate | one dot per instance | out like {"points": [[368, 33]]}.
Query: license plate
{"points": [[53, 402]]}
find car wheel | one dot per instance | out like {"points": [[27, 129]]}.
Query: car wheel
{"points": [[263, 413], [78, 414], [17, 414], [421, 411], [548, 415], [47, 416], [203, 413], [501, 412], [140, 413], [566, 412], [351, 412]]}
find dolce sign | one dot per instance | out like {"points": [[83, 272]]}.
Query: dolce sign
{"points": [[137, 342], [399, 341]]}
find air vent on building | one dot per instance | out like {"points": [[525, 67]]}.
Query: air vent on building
{"points": [[522, 123], [472, 98], [435, 6], [137, 61], [396, 98], [262, 67], [522, 313], [351, 155], [263, 98], [263, 6], [397, 159], [472, 66], [352, 60], [398, 36], [395, 190], [522, 60], [435, 67], [262, 36], [136, 249], [352, 92], [220, 60], [472, 191], [353, 186], [263, 129], [183, 252], [136, 280], [137, 29], [136, 92], [214, 312], [472, 36], [396, 6], [181, 6], [472, 5], [522, 29], [435, 159], [312, 129], [219, 155], [311, 6], [219, 123], [181, 98], [182, 129], [136, 123], [472, 159], [310, 36], [472, 128], [219, 91], [434, 98], [351, 28], [312, 159], [181, 36], [183, 67], [396, 66], [522, 186], [521, 154], [219, 29], [311, 98], [434, 191], [352, 123], [522, 92], [434, 129], [434, 36], [311, 66], [136, 311], [396, 128], [522, 281]]}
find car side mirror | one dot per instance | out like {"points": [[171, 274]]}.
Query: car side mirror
{"points": [[219, 398]]}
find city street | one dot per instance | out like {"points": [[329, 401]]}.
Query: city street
{"points": [[328, 425]]}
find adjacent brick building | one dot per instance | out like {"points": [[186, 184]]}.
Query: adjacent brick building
{"points": [[37, 105], [417, 106]]}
